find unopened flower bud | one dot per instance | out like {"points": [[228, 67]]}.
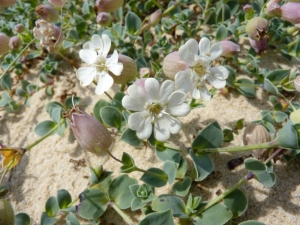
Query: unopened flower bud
{"points": [[47, 12], [57, 3], [7, 215], [291, 12], [19, 28], [129, 70], [15, 42], [229, 48], [259, 45], [7, 3], [224, 91], [172, 64], [107, 5], [145, 71], [4, 44], [103, 18], [155, 17], [256, 134], [297, 83], [284, 104], [292, 30], [90, 133], [11, 155], [248, 9], [273, 8], [257, 28], [50, 36]]}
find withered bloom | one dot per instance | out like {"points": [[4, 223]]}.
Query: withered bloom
{"points": [[90, 133], [11, 155]]}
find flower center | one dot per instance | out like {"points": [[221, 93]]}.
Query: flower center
{"points": [[200, 69], [100, 64], [155, 108]]}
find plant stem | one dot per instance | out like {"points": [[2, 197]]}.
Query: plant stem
{"points": [[273, 155], [121, 213], [223, 195], [171, 146], [23, 50], [68, 60], [272, 144], [41, 139], [111, 155]]}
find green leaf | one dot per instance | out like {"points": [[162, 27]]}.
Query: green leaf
{"points": [[158, 178], [210, 137], [170, 169], [287, 136], [165, 202], [129, 136], [93, 203], [69, 102], [182, 188], [86, 8], [71, 219], [119, 191], [56, 114], [216, 215], [128, 163], [49, 91], [63, 198], [203, 165], [231, 78], [96, 111], [119, 96], [237, 202], [251, 222], [255, 165], [133, 22], [269, 86], [46, 220], [4, 99], [51, 206], [22, 219], [246, 87], [5, 82], [44, 127], [275, 76], [164, 154], [136, 204], [182, 168], [280, 117], [67, 44], [111, 116], [266, 179], [158, 218], [221, 33]]}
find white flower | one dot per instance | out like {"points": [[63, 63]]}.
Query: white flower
{"points": [[155, 105], [193, 79], [94, 53]]}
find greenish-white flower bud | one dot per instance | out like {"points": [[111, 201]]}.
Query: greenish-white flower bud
{"points": [[107, 5], [257, 28], [90, 133], [7, 215], [19, 28], [129, 71], [47, 12], [256, 134], [172, 64], [229, 48], [15, 42], [7, 3], [155, 17], [57, 3], [292, 30], [273, 8], [4, 44], [248, 9], [103, 18]]}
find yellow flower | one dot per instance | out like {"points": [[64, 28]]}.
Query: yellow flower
{"points": [[12, 156]]}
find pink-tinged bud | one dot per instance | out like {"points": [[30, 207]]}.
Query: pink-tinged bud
{"points": [[4, 44], [224, 91], [129, 71], [19, 28], [273, 8], [7, 3], [259, 45], [57, 3], [107, 5], [229, 48], [15, 42], [172, 64], [47, 12], [155, 17], [90, 133], [291, 12], [257, 28], [146, 72], [103, 19], [50, 36], [248, 9]]}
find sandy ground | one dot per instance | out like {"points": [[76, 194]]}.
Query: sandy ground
{"points": [[47, 167]]}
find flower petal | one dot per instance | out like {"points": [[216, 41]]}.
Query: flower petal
{"points": [[166, 89], [145, 130], [113, 65], [180, 110], [104, 83], [183, 80], [88, 56], [189, 51], [136, 120], [219, 72], [214, 81], [86, 75], [106, 44], [165, 126], [113, 59], [135, 101], [87, 45], [177, 98], [205, 94], [97, 43], [152, 89], [215, 51], [204, 46]]}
